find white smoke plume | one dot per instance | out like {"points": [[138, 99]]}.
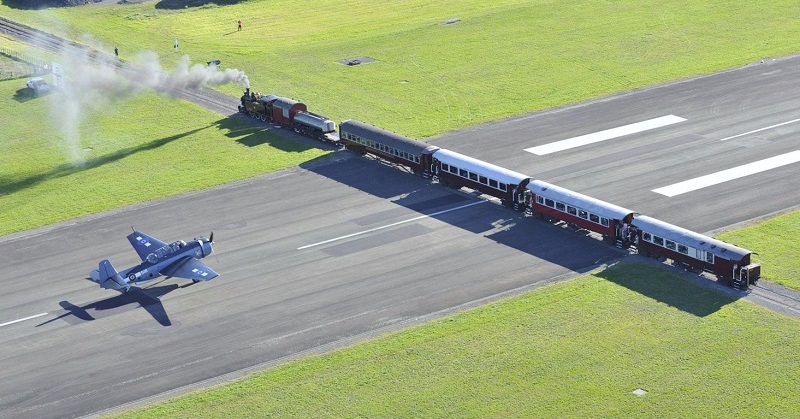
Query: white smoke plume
{"points": [[93, 81]]}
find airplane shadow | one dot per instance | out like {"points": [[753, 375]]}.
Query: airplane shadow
{"points": [[147, 298]]}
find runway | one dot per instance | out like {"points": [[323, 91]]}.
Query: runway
{"points": [[342, 249], [719, 122], [295, 275]]}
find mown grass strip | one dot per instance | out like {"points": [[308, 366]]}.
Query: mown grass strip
{"points": [[573, 349], [129, 151], [775, 240]]}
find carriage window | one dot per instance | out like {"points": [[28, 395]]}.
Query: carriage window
{"points": [[540, 199], [416, 159], [604, 221], [502, 186], [710, 257], [583, 214], [492, 183], [473, 176], [462, 172], [683, 249], [647, 237], [482, 179], [572, 210], [594, 218], [670, 245], [560, 206], [658, 240], [549, 202], [454, 170], [445, 167]]}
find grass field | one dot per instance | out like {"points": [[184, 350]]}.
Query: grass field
{"points": [[138, 153], [503, 58], [776, 243], [575, 349]]}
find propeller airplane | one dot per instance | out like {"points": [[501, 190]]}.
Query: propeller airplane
{"points": [[178, 259]]}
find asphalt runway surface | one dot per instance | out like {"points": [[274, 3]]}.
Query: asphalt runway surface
{"points": [[96, 349], [340, 250], [625, 170]]}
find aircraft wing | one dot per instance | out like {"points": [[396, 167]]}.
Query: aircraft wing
{"points": [[190, 268], [144, 244]]}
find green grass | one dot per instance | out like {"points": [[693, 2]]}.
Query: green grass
{"points": [[139, 152], [503, 58], [775, 240], [575, 349]]}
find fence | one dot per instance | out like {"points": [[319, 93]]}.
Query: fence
{"points": [[26, 65]]}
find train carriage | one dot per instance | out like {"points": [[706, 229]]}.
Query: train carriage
{"points": [[364, 138], [458, 170], [728, 262], [610, 220]]}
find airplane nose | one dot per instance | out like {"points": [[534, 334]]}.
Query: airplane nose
{"points": [[207, 248]]}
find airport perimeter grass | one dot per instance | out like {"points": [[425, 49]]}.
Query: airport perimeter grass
{"points": [[775, 240], [574, 349], [503, 58], [142, 148]]}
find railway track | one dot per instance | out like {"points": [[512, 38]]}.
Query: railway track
{"points": [[770, 295], [206, 98]]}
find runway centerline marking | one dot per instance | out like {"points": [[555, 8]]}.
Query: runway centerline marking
{"points": [[390, 225], [761, 129], [729, 174], [604, 135], [22, 320]]}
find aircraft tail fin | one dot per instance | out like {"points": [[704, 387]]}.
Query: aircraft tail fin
{"points": [[108, 277]]}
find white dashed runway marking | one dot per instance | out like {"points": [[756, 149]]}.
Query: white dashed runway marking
{"points": [[729, 174], [22, 320], [760, 129], [390, 225], [608, 134]]}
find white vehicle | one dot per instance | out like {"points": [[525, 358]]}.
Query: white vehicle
{"points": [[38, 86]]}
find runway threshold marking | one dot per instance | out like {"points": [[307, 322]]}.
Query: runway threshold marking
{"points": [[391, 225], [22, 320], [604, 135], [761, 129], [729, 174]]}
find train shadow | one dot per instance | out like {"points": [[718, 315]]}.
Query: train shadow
{"points": [[653, 280], [251, 133], [459, 209], [147, 298], [575, 249]]}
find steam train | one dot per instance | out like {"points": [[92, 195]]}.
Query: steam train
{"points": [[621, 226], [288, 113]]}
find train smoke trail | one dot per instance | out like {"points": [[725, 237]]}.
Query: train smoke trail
{"points": [[94, 82]]}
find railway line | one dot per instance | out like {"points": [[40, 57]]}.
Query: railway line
{"points": [[770, 295]]}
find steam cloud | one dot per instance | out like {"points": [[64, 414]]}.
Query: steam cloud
{"points": [[91, 85]]}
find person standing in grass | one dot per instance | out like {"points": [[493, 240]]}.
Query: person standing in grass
{"points": [[240, 25]]}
